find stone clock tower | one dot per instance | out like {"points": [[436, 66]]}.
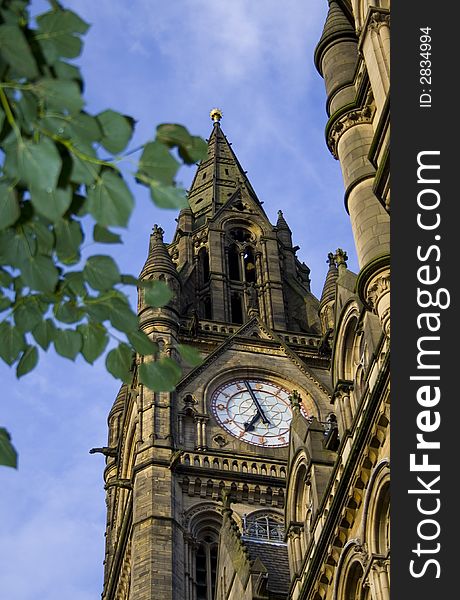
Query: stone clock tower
{"points": [[198, 475]]}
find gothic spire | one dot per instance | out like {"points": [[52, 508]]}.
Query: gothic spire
{"points": [[218, 176], [328, 293], [337, 26], [158, 260]]}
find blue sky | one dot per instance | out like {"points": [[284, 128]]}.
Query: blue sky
{"points": [[163, 62]]}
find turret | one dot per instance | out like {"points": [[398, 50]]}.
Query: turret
{"points": [[328, 296], [350, 136], [159, 266], [336, 56]]}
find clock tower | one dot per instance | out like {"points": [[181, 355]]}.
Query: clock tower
{"points": [[198, 475]]}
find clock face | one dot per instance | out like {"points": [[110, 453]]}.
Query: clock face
{"points": [[255, 411]]}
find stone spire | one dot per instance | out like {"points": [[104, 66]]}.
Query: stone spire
{"points": [[219, 175], [328, 293], [337, 26], [283, 231], [158, 260], [326, 304]]}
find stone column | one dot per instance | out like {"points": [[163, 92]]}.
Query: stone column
{"points": [[341, 396], [349, 139], [379, 580], [375, 47], [295, 548]]}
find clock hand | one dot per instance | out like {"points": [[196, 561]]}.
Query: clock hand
{"points": [[256, 402], [249, 426]]}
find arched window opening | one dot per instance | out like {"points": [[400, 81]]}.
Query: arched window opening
{"points": [[203, 259], [263, 527], [382, 523], [249, 265], [207, 307], [201, 578], [349, 351], [234, 263], [201, 544], [205, 569], [354, 584], [240, 235], [236, 309]]}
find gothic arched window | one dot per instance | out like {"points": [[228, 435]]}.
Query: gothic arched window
{"points": [[203, 261], [354, 588], [236, 309], [201, 538], [205, 568], [207, 307], [234, 263], [267, 526], [249, 265]]}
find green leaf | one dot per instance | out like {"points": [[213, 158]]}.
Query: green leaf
{"points": [[84, 170], [44, 333], [117, 130], [101, 272], [9, 205], [160, 376], [11, 342], [190, 355], [80, 128], [27, 362], [69, 237], [61, 94], [5, 302], [56, 34], [16, 51], [172, 135], [39, 273], [98, 308], [158, 294], [118, 362], [192, 148], [38, 164], [194, 152], [51, 203], [43, 235], [142, 343], [27, 109], [110, 200], [8, 455], [28, 313], [157, 164], [166, 196], [68, 312], [95, 340], [105, 236], [85, 128], [74, 282], [67, 343], [130, 280], [121, 316], [5, 278], [16, 247], [64, 70]]}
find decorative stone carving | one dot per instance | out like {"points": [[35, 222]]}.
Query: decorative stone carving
{"points": [[220, 440], [378, 299], [378, 18], [351, 118], [379, 287]]}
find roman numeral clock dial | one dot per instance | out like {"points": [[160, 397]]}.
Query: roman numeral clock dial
{"points": [[255, 411]]}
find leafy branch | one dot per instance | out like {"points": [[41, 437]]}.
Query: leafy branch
{"points": [[52, 176]]}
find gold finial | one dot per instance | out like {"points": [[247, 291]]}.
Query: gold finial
{"points": [[216, 115]]}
